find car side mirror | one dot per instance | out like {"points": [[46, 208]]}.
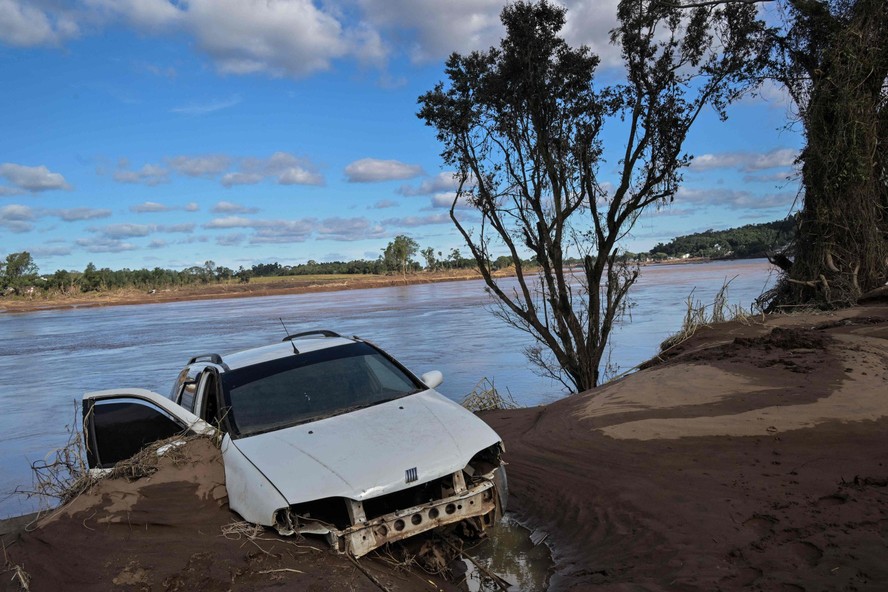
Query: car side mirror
{"points": [[432, 379]]}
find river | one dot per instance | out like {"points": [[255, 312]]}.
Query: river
{"points": [[48, 359]]}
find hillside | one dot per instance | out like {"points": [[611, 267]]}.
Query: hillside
{"points": [[752, 240]]}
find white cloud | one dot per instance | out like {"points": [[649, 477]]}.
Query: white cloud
{"points": [[104, 245], [412, 221], [289, 169], [27, 24], [192, 207], [46, 252], [445, 181], [149, 174], [733, 199], [437, 28], [284, 167], [299, 176], [445, 200], [282, 231], [16, 218], [118, 231], [227, 207], [370, 170], [745, 161], [273, 36], [383, 204], [350, 229], [229, 240], [125, 230], [200, 166], [77, 214], [207, 107], [185, 227], [32, 179], [297, 38], [590, 23], [431, 30], [230, 222], [151, 15], [149, 207], [232, 179]]}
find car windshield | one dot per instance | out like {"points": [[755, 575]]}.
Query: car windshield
{"points": [[312, 385]]}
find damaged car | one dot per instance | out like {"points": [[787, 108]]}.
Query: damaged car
{"points": [[320, 434]]}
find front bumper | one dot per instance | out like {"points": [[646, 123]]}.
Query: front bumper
{"points": [[358, 540], [477, 500]]}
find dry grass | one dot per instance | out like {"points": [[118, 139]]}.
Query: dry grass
{"points": [[19, 575], [698, 315], [63, 474], [485, 397]]}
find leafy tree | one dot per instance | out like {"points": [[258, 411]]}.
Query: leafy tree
{"points": [[431, 261], [521, 124], [90, 279], [502, 262], [399, 251], [18, 269]]}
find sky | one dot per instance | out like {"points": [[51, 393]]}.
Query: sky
{"points": [[167, 133]]}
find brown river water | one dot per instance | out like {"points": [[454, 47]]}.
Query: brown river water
{"points": [[48, 359]]}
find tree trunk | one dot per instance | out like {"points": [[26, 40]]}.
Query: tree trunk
{"points": [[842, 240]]}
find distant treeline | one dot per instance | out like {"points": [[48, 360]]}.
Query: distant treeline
{"points": [[752, 240], [19, 273]]}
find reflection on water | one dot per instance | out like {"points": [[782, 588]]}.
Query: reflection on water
{"points": [[510, 554], [48, 359]]}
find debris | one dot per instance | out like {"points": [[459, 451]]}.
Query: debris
{"points": [[485, 397]]}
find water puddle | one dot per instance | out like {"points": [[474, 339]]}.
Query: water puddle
{"points": [[509, 553]]}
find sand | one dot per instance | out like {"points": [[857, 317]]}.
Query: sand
{"points": [[754, 456]]}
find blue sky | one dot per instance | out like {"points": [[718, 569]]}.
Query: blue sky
{"points": [[144, 133]]}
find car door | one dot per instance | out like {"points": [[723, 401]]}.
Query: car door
{"points": [[118, 423]]}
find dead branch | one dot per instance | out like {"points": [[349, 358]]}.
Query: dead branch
{"points": [[809, 283], [369, 575], [499, 581], [828, 261]]}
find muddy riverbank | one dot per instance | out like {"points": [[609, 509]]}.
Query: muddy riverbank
{"points": [[752, 457], [260, 287]]}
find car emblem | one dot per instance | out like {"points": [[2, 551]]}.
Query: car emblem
{"points": [[410, 475]]}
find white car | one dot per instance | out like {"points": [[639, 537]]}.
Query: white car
{"points": [[322, 434]]}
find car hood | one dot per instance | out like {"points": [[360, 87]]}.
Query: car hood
{"points": [[366, 453]]}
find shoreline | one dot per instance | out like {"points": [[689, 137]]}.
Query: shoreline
{"points": [[277, 287]]}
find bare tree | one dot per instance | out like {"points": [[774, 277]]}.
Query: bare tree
{"points": [[521, 124]]}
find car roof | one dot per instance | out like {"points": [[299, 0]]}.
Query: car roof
{"points": [[302, 344]]}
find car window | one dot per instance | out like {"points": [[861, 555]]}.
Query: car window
{"points": [[189, 390], [121, 426], [186, 385], [312, 385]]}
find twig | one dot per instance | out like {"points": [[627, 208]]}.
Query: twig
{"points": [[290, 569], [369, 575], [501, 583]]}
